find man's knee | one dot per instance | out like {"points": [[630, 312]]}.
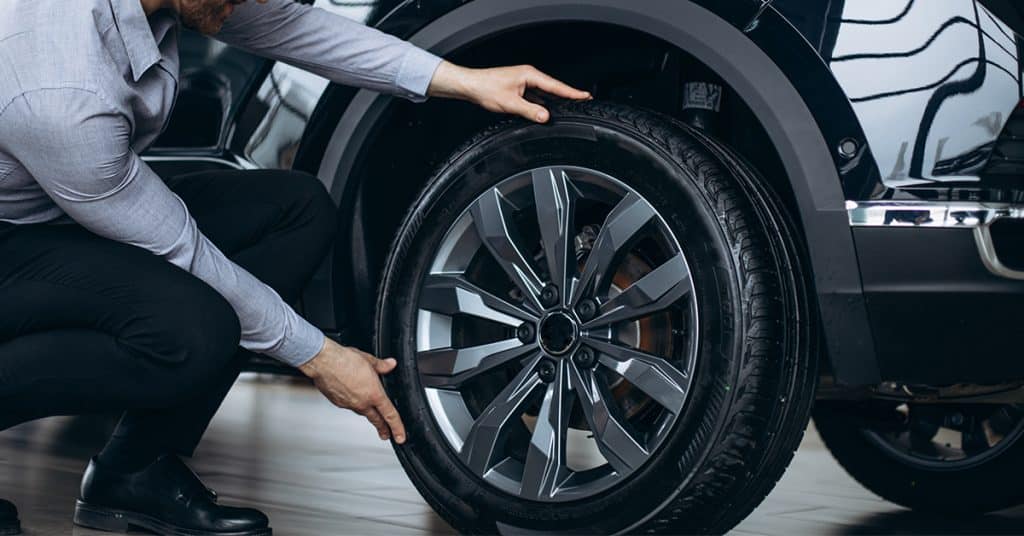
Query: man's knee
{"points": [[190, 345], [311, 199], [197, 332], [214, 333]]}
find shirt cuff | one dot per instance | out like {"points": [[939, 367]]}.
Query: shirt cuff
{"points": [[303, 343], [415, 73]]}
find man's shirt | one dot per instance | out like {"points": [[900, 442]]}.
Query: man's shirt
{"points": [[86, 85]]}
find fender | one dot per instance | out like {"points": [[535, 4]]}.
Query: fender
{"points": [[770, 66]]}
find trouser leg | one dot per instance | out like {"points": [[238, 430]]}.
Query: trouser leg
{"points": [[90, 325], [277, 225], [98, 326]]}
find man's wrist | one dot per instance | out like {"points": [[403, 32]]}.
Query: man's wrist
{"points": [[311, 368], [451, 81]]}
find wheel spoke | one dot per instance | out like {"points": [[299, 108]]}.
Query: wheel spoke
{"points": [[621, 225], [606, 421], [653, 375], [451, 367], [555, 199], [452, 294], [495, 276], [481, 444], [655, 291], [501, 239], [545, 466]]}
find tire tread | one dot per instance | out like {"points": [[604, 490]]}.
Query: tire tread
{"points": [[762, 430]]}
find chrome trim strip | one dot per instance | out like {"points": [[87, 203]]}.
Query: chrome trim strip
{"points": [[978, 217], [987, 250], [954, 214]]}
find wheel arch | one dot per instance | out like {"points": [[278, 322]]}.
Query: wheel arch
{"points": [[809, 165]]}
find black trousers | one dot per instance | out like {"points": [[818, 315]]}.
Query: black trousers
{"points": [[91, 325]]}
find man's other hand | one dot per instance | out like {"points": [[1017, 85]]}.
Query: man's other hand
{"points": [[350, 378], [501, 89]]}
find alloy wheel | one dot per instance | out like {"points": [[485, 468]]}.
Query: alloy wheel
{"points": [[947, 437], [557, 333]]}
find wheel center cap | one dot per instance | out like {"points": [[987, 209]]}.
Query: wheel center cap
{"points": [[558, 333]]}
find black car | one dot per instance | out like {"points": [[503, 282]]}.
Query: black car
{"points": [[621, 320]]}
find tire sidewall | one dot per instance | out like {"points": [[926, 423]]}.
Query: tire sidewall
{"points": [[971, 490], [675, 192]]}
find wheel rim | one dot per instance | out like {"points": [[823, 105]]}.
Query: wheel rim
{"points": [[938, 437], [557, 333]]}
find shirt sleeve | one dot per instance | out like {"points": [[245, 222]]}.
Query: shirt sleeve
{"points": [[337, 48], [78, 149]]}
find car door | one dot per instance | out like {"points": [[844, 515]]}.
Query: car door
{"points": [[238, 110]]}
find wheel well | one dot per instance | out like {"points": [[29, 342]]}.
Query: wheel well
{"points": [[792, 95], [615, 63]]}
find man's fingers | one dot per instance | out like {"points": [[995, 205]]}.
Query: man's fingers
{"points": [[384, 366], [555, 87], [390, 414], [377, 421], [529, 110], [537, 79], [380, 366]]}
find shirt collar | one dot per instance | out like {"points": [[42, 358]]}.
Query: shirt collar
{"points": [[137, 35]]}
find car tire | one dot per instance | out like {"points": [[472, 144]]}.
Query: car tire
{"points": [[963, 488], [754, 372]]}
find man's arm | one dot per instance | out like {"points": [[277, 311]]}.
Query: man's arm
{"points": [[78, 149], [350, 53], [334, 47]]}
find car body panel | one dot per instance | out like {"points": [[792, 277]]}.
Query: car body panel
{"points": [[932, 83], [818, 75], [716, 38], [885, 60]]}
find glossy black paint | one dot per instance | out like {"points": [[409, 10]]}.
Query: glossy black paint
{"points": [[1009, 11], [783, 30], [216, 84], [717, 40], [817, 23], [799, 35], [799, 38], [820, 198], [975, 93]]}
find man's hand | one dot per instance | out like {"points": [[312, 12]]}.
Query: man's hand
{"points": [[500, 89], [350, 379]]}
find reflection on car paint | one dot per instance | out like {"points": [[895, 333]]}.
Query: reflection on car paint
{"points": [[290, 95], [932, 83]]}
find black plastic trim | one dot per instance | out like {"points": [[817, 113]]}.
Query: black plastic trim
{"points": [[938, 315]]}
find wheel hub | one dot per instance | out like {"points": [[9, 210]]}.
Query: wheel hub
{"points": [[558, 333]]}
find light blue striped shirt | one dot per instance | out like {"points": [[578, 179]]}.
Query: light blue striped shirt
{"points": [[86, 85]]}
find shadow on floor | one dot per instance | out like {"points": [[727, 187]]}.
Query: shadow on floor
{"points": [[316, 470], [908, 522]]}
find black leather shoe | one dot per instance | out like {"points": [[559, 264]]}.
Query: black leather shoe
{"points": [[166, 498], [9, 524]]}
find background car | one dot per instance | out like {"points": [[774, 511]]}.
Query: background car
{"points": [[620, 321]]}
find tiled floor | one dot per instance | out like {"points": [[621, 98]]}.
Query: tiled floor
{"points": [[319, 471]]}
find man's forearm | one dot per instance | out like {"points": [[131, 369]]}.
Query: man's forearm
{"points": [[339, 49], [79, 151]]}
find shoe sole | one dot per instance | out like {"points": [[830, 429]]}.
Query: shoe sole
{"points": [[113, 520]]}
